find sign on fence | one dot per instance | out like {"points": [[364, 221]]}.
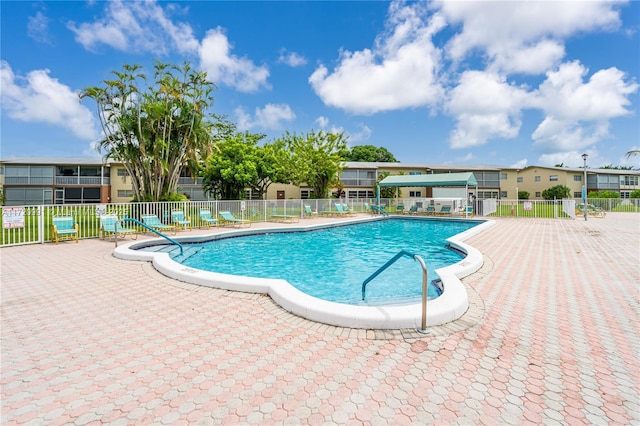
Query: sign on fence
{"points": [[527, 205], [12, 217]]}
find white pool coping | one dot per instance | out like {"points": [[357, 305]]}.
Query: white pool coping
{"points": [[451, 305]]}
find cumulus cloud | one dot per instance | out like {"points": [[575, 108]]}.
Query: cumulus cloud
{"points": [[140, 26], [292, 59], [577, 114], [39, 98], [398, 72], [523, 37], [270, 117], [485, 107], [322, 121], [223, 67], [363, 134], [521, 164]]}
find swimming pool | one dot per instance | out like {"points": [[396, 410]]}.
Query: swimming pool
{"points": [[332, 263], [452, 304]]}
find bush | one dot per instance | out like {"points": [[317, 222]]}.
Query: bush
{"points": [[523, 195], [557, 192]]}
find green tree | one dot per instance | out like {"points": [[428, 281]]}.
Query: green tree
{"points": [[234, 166], [635, 193], [557, 192], [157, 127], [316, 159], [369, 153], [603, 194], [523, 195], [273, 164], [385, 191]]}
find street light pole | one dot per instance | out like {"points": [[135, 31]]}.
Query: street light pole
{"points": [[584, 189]]}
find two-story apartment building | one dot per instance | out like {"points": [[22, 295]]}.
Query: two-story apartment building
{"points": [[535, 179], [28, 181]]}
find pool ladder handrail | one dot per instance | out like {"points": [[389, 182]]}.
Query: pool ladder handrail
{"points": [[405, 253], [171, 240]]}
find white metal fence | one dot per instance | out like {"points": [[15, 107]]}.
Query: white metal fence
{"points": [[32, 224]]}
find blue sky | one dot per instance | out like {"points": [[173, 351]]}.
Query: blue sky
{"points": [[504, 83]]}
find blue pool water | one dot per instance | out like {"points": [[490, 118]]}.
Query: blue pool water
{"points": [[332, 263]]}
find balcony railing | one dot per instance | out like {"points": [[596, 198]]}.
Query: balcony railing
{"points": [[82, 180]]}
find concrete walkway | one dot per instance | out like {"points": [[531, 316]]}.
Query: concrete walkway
{"points": [[552, 337]]}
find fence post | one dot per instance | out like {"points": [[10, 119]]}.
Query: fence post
{"points": [[41, 223]]}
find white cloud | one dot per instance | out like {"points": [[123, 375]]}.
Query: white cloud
{"points": [[322, 121], [485, 106], [38, 98], [525, 36], [399, 72], [521, 164], [577, 114], [38, 28], [270, 117], [140, 26], [292, 59], [362, 135], [223, 67]]}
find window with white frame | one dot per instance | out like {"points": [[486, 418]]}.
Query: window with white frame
{"points": [[537, 179], [553, 178], [520, 179], [415, 194], [577, 178]]}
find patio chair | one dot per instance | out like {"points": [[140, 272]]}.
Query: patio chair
{"points": [[207, 219], [228, 218], [308, 212], [110, 226], [179, 220], [63, 227], [152, 221], [444, 210], [431, 210], [400, 209], [413, 209]]}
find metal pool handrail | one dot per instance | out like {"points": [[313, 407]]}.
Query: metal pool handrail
{"points": [[425, 280], [171, 240]]}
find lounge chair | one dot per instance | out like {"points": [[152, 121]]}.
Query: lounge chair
{"points": [[379, 210], [110, 226], [444, 210], [63, 227], [206, 218], [152, 221], [278, 217], [400, 209], [340, 210], [308, 212], [431, 210], [179, 220], [228, 218], [413, 209]]}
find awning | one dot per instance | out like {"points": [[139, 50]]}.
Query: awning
{"points": [[431, 180]]}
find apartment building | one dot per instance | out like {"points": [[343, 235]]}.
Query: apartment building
{"points": [[31, 181]]}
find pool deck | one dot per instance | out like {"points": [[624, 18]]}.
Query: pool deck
{"points": [[552, 337]]}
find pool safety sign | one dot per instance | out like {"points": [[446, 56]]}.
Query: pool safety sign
{"points": [[12, 217]]}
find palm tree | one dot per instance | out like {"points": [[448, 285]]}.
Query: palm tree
{"points": [[633, 153]]}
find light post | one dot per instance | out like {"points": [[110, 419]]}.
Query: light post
{"points": [[584, 188]]}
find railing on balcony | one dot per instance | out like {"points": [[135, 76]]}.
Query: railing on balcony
{"points": [[82, 180]]}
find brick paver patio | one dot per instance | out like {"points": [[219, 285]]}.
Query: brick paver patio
{"points": [[552, 337]]}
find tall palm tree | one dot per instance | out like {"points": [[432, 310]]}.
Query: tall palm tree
{"points": [[633, 153]]}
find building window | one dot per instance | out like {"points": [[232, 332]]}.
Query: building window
{"points": [[577, 178], [577, 194], [415, 194], [125, 193], [503, 176], [122, 172], [625, 194], [503, 194], [305, 194], [538, 195], [553, 178], [414, 173], [537, 179], [520, 179], [629, 180]]}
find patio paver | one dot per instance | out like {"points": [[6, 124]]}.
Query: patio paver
{"points": [[551, 337]]}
